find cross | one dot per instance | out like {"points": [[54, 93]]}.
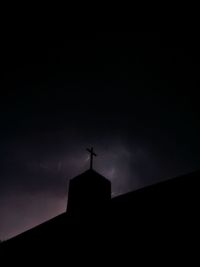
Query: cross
{"points": [[91, 151]]}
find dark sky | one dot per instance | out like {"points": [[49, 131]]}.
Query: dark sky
{"points": [[133, 95]]}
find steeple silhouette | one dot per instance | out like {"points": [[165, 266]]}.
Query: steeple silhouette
{"points": [[88, 192]]}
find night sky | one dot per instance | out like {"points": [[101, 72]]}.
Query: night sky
{"points": [[133, 96]]}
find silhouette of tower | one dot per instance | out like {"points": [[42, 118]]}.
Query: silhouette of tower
{"points": [[89, 193]]}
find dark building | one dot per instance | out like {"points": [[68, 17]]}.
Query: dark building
{"points": [[89, 193], [166, 213]]}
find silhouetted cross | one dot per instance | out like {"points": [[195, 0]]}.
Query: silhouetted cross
{"points": [[91, 151]]}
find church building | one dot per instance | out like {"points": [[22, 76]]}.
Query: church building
{"points": [[163, 212]]}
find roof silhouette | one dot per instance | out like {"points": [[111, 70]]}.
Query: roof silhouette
{"points": [[163, 212]]}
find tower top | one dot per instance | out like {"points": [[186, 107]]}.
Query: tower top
{"points": [[92, 154]]}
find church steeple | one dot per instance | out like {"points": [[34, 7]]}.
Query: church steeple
{"points": [[89, 193]]}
